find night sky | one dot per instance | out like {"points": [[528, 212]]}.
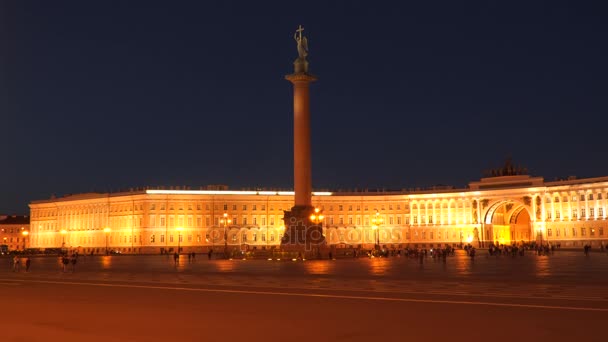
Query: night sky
{"points": [[107, 95]]}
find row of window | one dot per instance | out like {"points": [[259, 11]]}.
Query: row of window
{"points": [[574, 231], [600, 213], [582, 197]]}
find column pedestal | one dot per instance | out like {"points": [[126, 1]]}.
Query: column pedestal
{"points": [[303, 238]]}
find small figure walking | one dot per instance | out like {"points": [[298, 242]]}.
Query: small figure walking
{"points": [[176, 258], [64, 262], [210, 253], [28, 262], [16, 263], [74, 260], [189, 258]]}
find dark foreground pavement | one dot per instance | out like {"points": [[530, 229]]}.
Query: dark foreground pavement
{"points": [[147, 298]]}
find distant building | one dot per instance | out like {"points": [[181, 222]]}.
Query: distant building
{"points": [[14, 233], [504, 208]]}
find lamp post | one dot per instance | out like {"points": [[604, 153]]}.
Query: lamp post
{"points": [[225, 221], [63, 232], [107, 231], [376, 222], [316, 218], [25, 233], [179, 238]]}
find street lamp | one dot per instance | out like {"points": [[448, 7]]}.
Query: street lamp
{"points": [[225, 221], [317, 217], [376, 222], [107, 231], [25, 233], [179, 238], [63, 232]]}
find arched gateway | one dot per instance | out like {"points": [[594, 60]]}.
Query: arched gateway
{"points": [[508, 221]]}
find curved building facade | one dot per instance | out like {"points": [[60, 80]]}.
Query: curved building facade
{"points": [[500, 209]]}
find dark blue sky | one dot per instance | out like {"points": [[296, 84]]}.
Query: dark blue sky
{"points": [[100, 95]]}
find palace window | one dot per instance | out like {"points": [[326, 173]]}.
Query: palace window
{"points": [[591, 197], [415, 217], [358, 208], [225, 206], [198, 237], [600, 212], [573, 232], [592, 231], [233, 237], [557, 214], [152, 206], [398, 219], [430, 219], [271, 237], [255, 236], [244, 237], [263, 207], [565, 199], [207, 207], [198, 207], [207, 221], [350, 220], [390, 207], [583, 213], [254, 207], [162, 238], [365, 208], [407, 220], [398, 206], [591, 210], [341, 220], [272, 221], [549, 232], [599, 196], [556, 200], [582, 197], [234, 207], [350, 208], [190, 221], [340, 208], [390, 220], [431, 235], [170, 238], [244, 206], [574, 198], [557, 232], [199, 221], [263, 237], [583, 231], [152, 238], [263, 221], [574, 213], [548, 215]]}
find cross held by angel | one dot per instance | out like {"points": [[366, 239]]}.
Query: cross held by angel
{"points": [[302, 42]]}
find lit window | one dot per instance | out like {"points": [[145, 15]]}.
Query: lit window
{"points": [[583, 231], [162, 238], [152, 238]]}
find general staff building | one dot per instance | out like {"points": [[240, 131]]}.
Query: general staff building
{"points": [[499, 209]]}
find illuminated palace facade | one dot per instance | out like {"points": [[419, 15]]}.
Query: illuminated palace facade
{"points": [[500, 209]]}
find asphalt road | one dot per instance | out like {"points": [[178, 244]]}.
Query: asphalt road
{"points": [[148, 298]]}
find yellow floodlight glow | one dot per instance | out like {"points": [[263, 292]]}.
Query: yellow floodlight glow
{"points": [[63, 231], [25, 233], [107, 230]]}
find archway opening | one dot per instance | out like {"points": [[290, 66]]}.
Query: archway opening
{"points": [[507, 222]]}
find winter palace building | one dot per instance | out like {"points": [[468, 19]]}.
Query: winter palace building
{"points": [[505, 208]]}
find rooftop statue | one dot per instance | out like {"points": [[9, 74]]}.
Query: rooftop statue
{"points": [[302, 43]]}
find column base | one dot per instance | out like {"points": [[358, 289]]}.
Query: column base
{"points": [[303, 238]]}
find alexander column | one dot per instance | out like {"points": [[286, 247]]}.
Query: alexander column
{"points": [[301, 234]]}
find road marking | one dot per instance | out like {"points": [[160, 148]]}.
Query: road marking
{"points": [[10, 284], [333, 296], [414, 292]]}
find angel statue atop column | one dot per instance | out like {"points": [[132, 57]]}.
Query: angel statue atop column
{"points": [[302, 43]]}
